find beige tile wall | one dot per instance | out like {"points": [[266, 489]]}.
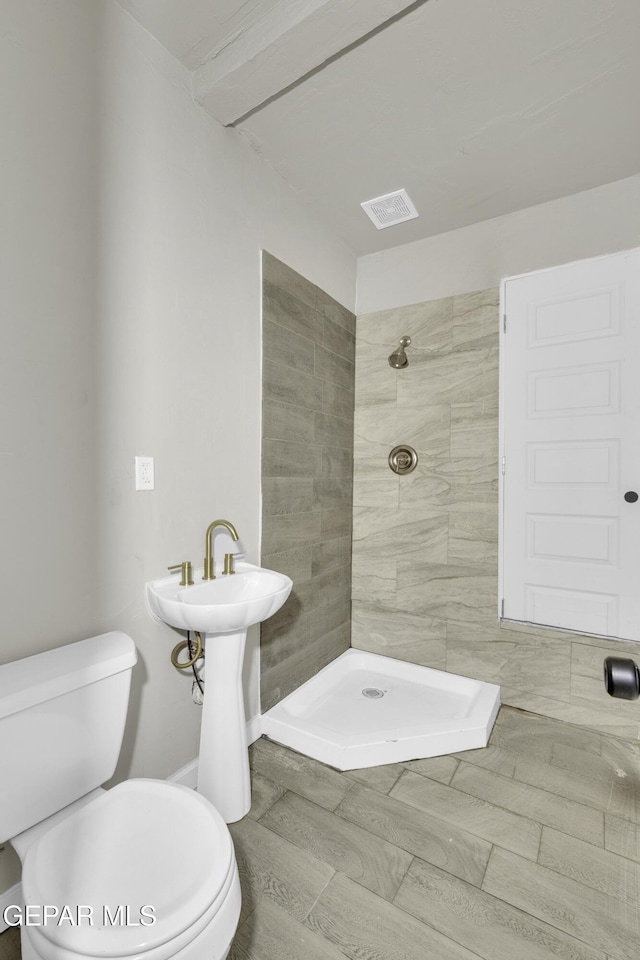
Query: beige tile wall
{"points": [[307, 470], [425, 546]]}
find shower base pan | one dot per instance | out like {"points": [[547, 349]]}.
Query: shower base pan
{"points": [[363, 710]]}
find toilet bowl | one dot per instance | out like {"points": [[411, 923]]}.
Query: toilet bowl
{"points": [[148, 869], [144, 871]]}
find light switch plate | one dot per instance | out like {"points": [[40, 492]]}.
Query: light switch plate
{"points": [[144, 473]]}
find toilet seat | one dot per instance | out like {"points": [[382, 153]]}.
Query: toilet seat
{"points": [[131, 847]]}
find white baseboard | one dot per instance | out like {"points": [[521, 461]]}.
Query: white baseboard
{"points": [[7, 899], [254, 729], [187, 776]]}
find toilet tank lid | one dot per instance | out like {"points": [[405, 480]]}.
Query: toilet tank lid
{"points": [[25, 683]]}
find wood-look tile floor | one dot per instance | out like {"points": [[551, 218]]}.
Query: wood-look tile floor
{"points": [[526, 850]]}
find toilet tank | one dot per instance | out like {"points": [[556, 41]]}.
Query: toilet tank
{"points": [[62, 716]]}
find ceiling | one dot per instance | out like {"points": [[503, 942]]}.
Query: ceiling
{"points": [[476, 107]]}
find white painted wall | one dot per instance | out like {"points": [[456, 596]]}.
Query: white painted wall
{"points": [[598, 221], [130, 244]]}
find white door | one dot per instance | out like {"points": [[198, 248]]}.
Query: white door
{"points": [[571, 445]]}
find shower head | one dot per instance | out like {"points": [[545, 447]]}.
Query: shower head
{"points": [[398, 358]]}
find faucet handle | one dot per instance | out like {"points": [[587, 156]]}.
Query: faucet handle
{"points": [[185, 569], [228, 564]]}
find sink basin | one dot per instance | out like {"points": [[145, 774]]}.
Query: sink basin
{"points": [[221, 610], [224, 605]]}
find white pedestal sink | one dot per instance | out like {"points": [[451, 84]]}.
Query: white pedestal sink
{"points": [[221, 610]]}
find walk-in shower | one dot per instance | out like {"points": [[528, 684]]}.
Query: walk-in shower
{"points": [[359, 708]]}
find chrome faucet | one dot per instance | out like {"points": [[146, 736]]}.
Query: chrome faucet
{"points": [[209, 573]]}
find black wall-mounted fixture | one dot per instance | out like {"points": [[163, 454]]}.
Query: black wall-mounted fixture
{"points": [[622, 678]]}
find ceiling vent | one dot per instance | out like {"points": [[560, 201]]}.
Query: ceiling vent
{"points": [[392, 208]]}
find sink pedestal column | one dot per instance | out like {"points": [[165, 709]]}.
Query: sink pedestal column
{"points": [[223, 764]]}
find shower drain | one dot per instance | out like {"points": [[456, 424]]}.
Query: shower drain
{"points": [[372, 693]]}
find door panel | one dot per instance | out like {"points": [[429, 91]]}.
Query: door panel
{"points": [[572, 539], [574, 463], [571, 442], [595, 314], [573, 391], [584, 611]]}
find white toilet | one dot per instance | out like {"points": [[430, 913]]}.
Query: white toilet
{"points": [[146, 870]]}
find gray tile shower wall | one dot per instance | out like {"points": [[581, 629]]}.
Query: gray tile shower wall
{"points": [[425, 546], [307, 475]]}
